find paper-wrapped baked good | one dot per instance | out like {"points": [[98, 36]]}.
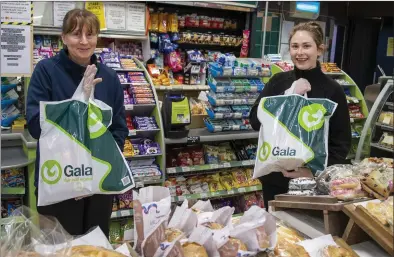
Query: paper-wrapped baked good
{"points": [[335, 251]]}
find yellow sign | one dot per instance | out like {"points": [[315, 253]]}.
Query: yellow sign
{"points": [[97, 8], [390, 46]]}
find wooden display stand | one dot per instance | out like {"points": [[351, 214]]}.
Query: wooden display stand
{"points": [[331, 209], [362, 222]]}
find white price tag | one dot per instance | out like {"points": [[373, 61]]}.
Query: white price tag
{"points": [[162, 88], [237, 115], [219, 115], [125, 213], [139, 184], [351, 120], [128, 235], [226, 165], [231, 192], [245, 163], [241, 190], [204, 195], [181, 198], [214, 166], [185, 169], [129, 107], [387, 120], [171, 170], [132, 132], [169, 87]]}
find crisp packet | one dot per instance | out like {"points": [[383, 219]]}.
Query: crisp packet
{"points": [[152, 208]]}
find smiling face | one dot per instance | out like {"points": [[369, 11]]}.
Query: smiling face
{"points": [[304, 51], [80, 44]]}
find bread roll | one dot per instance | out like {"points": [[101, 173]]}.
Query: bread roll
{"points": [[241, 245], [172, 234], [336, 251], [213, 225], [90, 251], [194, 250]]}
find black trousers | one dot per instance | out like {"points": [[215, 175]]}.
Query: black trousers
{"points": [[274, 184], [79, 216]]}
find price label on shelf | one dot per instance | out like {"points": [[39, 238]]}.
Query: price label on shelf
{"points": [[204, 195], [162, 88], [214, 166], [125, 213], [215, 193], [245, 163], [129, 107], [171, 170], [185, 169], [193, 140], [241, 190], [231, 192], [132, 132], [226, 165], [139, 184]]}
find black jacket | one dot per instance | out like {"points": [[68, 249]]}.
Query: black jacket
{"points": [[339, 137]]}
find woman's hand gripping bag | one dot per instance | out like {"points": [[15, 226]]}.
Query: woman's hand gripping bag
{"points": [[293, 133], [78, 154]]}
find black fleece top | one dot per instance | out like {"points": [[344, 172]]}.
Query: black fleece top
{"points": [[57, 78], [322, 86]]}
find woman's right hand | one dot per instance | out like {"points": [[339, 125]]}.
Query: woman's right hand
{"points": [[89, 81], [300, 87]]}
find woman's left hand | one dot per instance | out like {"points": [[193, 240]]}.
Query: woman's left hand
{"points": [[300, 172]]}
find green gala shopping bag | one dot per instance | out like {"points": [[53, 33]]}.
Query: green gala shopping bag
{"points": [[293, 133], [78, 154]]}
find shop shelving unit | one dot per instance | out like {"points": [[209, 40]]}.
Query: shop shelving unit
{"points": [[374, 128], [202, 135]]}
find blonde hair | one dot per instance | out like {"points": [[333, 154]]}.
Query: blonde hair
{"points": [[78, 18], [313, 28]]}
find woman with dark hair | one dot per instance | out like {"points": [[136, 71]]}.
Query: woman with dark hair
{"points": [[56, 79], [306, 45]]}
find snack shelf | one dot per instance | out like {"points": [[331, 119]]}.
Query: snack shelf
{"points": [[376, 145], [205, 136], [219, 194], [127, 70], [143, 133], [142, 156], [14, 157], [13, 190], [385, 127], [183, 87], [222, 102], [335, 73], [13, 219], [122, 213], [140, 109], [207, 167], [369, 136], [231, 115]]}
